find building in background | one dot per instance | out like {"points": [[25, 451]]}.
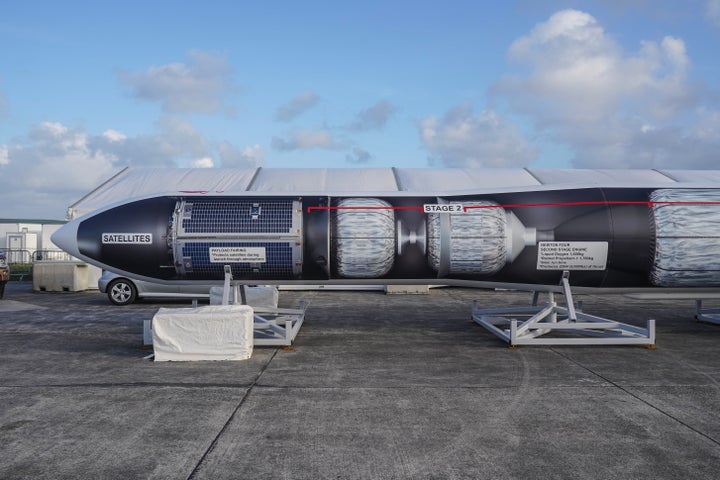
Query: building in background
{"points": [[28, 240]]}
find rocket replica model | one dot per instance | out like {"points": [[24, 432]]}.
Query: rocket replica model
{"points": [[630, 238]]}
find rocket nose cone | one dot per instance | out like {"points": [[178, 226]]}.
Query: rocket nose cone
{"points": [[66, 238]]}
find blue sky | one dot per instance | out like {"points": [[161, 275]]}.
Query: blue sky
{"points": [[87, 88]]}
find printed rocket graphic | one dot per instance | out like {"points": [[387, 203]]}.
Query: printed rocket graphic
{"points": [[630, 238]]}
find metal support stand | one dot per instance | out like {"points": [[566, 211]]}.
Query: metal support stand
{"points": [[709, 315], [272, 326], [550, 317]]}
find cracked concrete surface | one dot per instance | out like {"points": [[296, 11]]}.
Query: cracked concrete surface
{"points": [[376, 387]]}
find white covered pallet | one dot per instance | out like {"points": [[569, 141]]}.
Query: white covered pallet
{"points": [[215, 332]]}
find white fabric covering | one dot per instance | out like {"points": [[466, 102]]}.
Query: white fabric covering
{"points": [[602, 177], [204, 333], [142, 182]]}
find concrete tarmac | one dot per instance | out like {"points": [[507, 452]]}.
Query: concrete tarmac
{"points": [[377, 387]]}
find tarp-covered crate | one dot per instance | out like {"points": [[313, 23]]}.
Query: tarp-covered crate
{"points": [[215, 332]]}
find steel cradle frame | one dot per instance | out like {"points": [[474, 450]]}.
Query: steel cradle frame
{"points": [[542, 319]]}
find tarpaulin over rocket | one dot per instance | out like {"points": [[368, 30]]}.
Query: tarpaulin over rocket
{"points": [[608, 237]]}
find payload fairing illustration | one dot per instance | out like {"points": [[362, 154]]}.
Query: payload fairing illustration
{"points": [[608, 237]]}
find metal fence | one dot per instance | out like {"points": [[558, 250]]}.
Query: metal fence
{"points": [[51, 256], [15, 256], [21, 261]]}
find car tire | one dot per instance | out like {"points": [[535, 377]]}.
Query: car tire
{"points": [[121, 292]]}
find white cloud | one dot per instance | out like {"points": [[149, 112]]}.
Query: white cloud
{"points": [[55, 165], [462, 139], [305, 140], [628, 143], [51, 169], [580, 73], [49, 131], [204, 162], [374, 118], [581, 88], [248, 157], [4, 155], [712, 12], [297, 106], [114, 135], [3, 102], [176, 141], [200, 86], [358, 155]]}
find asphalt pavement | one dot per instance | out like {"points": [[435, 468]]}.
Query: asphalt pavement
{"points": [[376, 387]]}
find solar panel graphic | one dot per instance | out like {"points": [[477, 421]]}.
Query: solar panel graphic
{"points": [[257, 238]]}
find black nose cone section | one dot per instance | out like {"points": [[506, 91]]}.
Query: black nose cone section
{"points": [[131, 237]]}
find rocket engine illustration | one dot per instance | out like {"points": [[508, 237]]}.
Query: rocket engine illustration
{"points": [[481, 240]]}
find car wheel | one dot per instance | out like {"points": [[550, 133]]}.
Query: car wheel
{"points": [[122, 292]]}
